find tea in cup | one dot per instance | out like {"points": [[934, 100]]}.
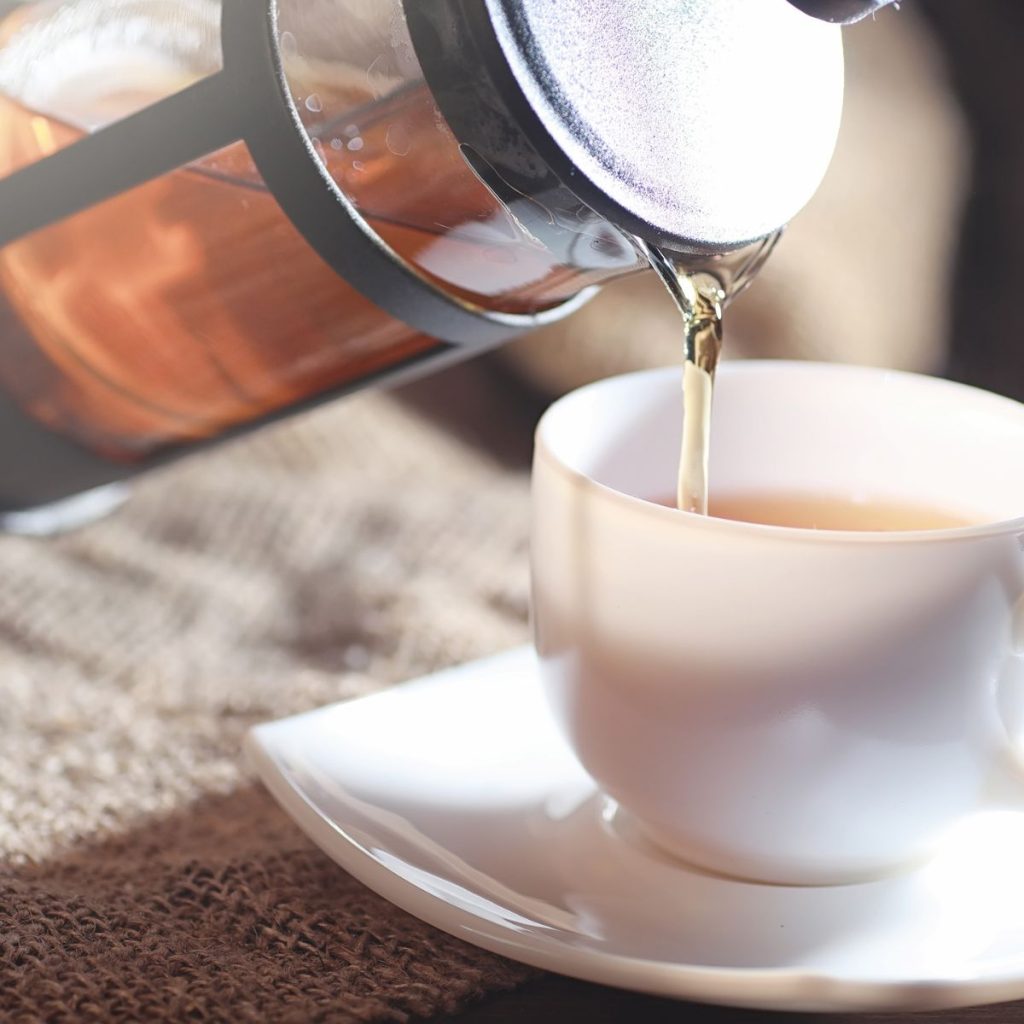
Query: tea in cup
{"points": [[812, 685]]}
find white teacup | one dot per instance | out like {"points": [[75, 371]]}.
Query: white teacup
{"points": [[781, 704]]}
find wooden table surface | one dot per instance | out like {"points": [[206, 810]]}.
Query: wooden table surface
{"points": [[553, 999]]}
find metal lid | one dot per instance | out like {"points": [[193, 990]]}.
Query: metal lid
{"points": [[697, 124]]}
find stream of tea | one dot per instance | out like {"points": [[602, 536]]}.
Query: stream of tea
{"points": [[701, 300], [701, 296]]}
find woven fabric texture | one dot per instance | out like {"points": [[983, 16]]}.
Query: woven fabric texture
{"points": [[146, 876]]}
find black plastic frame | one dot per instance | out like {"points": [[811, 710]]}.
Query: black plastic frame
{"points": [[249, 101], [312, 200]]}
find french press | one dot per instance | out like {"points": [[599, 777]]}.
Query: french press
{"points": [[212, 214]]}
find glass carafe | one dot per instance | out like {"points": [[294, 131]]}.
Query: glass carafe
{"points": [[279, 211]]}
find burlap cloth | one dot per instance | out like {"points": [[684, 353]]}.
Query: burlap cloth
{"points": [[145, 875]]}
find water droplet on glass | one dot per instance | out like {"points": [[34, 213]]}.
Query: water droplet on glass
{"points": [[397, 140], [358, 165], [289, 44], [337, 144], [355, 145], [313, 103]]}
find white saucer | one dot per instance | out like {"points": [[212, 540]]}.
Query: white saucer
{"points": [[455, 798]]}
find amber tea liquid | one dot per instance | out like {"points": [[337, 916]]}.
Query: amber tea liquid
{"points": [[828, 512], [190, 304]]}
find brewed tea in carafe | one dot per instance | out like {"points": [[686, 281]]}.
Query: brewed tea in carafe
{"points": [[190, 304], [219, 213]]}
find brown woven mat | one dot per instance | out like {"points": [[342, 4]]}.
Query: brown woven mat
{"points": [[146, 877]]}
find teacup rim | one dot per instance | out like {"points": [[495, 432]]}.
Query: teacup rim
{"points": [[729, 527]]}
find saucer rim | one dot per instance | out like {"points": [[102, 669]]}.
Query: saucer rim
{"points": [[774, 988]]}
